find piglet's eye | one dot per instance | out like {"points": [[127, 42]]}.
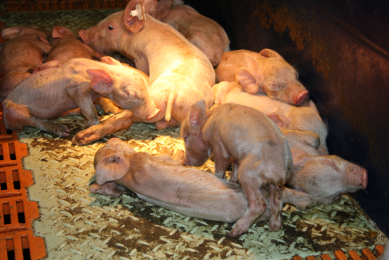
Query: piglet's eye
{"points": [[110, 27]]}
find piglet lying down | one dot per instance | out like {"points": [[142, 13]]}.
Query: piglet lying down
{"points": [[53, 91], [162, 181]]}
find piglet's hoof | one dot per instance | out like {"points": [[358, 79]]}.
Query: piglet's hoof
{"points": [[87, 136], [60, 130]]}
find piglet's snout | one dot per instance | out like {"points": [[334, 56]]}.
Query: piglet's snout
{"points": [[364, 179], [300, 97]]}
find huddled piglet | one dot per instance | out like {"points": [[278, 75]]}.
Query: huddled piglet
{"points": [[283, 114], [66, 46], [50, 92], [203, 32], [180, 74], [265, 72], [163, 181], [261, 155], [25, 49], [318, 179]]}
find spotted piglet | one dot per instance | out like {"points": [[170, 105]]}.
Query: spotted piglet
{"points": [[261, 156]]}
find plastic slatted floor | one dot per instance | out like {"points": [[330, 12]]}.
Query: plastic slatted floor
{"points": [[17, 240]]}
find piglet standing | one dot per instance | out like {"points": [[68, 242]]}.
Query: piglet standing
{"points": [[163, 181], [260, 153], [180, 74], [48, 93], [265, 72], [203, 32], [283, 114]]}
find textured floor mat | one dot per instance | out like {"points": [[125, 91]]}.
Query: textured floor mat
{"points": [[80, 225]]}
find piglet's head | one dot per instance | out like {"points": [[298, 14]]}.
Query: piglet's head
{"points": [[112, 161], [197, 151]]}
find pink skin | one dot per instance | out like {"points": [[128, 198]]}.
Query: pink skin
{"points": [[265, 72], [66, 46], [318, 179], [162, 181], [75, 84], [24, 50], [203, 32], [260, 154], [176, 69], [284, 115]]}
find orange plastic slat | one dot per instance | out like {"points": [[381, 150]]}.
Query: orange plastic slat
{"points": [[297, 258], [22, 240], [3, 249], [325, 257], [311, 258], [340, 255], [367, 254], [354, 255], [380, 250]]}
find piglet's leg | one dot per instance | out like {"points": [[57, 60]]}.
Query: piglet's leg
{"points": [[164, 124], [107, 105], [234, 173], [18, 116], [108, 188], [299, 199], [115, 123], [77, 92], [221, 158], [275, 200], [251, 185]]}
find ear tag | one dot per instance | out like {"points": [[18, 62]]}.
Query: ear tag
{"points": [[138, 12]]}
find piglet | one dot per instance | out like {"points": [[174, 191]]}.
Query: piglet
{"points": [[50, 92], [24, 50], [260, 153], [162, 181], [180, 74], [203, 32], [66, 46], [321, 179], [265, 72], [283, 114]]}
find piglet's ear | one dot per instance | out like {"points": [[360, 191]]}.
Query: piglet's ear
{"points": [[60, 31], [101, 81], [197, 116], [10, 33], [133, 24], [267, 53], [331, 164], [245, 78], [111, 168], [111, 61], [280, 120], [164, 8]]}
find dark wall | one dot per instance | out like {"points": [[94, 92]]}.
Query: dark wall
{"points": [[340, 49]]}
